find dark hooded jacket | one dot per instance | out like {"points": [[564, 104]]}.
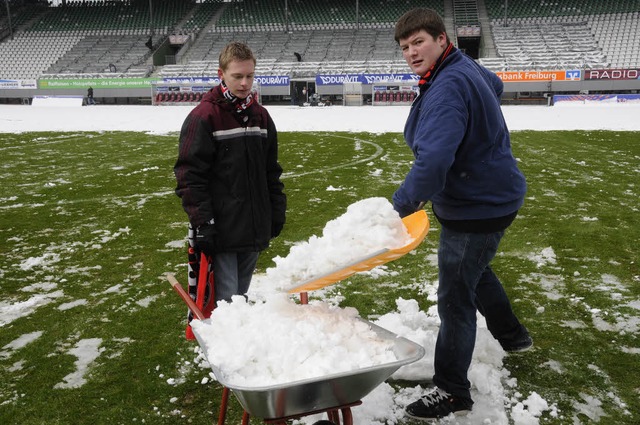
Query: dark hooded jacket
{"points": [[228, 170]]}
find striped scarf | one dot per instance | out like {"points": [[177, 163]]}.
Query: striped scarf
{"points": [[241, 104], [422, 84]]}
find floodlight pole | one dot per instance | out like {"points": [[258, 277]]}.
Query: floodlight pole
{"points": [[151, 17], [357, 15], [6, 2], [286, 16], [506, 2]]}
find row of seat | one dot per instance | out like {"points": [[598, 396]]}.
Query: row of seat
{"points": [[465, 13], [40, 50], [121, 15], [177, 97], [254, 13], [311, 46], [391, 97], [199, 17], [527, 8], [102, 53], [544, 45], [70, 54]]}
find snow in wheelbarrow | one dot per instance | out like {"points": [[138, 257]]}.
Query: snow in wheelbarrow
{"points": [[303, 396]]}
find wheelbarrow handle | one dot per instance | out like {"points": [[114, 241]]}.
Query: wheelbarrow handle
{"points": [[185, 297]]}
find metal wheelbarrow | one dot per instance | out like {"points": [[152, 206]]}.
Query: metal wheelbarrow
{"points": [[332, 394]]}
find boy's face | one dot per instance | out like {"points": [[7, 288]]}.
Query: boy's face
{"points": [[239, 77], [421, 50]]}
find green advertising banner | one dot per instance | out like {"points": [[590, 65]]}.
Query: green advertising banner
{"points": [[97, 83]]}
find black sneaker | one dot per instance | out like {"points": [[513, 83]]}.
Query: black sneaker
{"points": [[437, 404], [522, 342]]}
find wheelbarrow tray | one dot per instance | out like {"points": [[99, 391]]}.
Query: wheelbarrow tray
{"points": [[309, 395]]}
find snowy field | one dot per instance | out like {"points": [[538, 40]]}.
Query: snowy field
{"points": [[493, 389], [381, 119]]}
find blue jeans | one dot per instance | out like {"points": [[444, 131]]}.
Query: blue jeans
{"points": [[467, 284], [232, 272]]}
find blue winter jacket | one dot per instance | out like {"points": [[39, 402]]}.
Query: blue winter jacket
{"points": [[463, 160]]}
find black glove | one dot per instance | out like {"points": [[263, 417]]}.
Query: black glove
{"points": [[404, 210], [276, 228], [206, 235]]}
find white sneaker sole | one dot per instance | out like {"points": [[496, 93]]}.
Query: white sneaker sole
{"points": [[418, 418], [520, 350]]}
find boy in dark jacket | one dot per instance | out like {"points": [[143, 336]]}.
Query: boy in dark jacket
{"points": [[228, 174], [465, 167]]}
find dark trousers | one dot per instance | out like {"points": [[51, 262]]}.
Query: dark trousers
{"points": [[466, 285], [232, 272]]}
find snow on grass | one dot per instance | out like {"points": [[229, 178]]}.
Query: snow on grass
{"points": [[19, 343], [11, 311], [543, 258], [86, 351], [43, 261], [72, 304]]}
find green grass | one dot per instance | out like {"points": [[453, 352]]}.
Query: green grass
{"points": [[96, 214]]}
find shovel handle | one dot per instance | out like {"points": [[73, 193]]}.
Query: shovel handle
{"points": [[185, 297]]}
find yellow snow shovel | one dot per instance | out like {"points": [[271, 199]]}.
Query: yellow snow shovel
{"points": [[417, 225]]}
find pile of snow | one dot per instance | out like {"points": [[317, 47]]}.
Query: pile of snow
{"points": [[277, 341], [245, 341], [367, 227]]}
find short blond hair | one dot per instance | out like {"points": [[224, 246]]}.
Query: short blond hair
{"points": [[235, 51]]}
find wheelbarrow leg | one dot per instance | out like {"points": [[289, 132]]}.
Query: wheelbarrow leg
{"points": [[346, 416], [334, 416], [245, 418], [223, 406]]}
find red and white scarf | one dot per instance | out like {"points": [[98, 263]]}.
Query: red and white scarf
{"points": [[241, 104]]}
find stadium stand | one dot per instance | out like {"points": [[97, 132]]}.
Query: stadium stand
{"points": [[107, 37], [331, 51], [96, 54], [86, 39], [568, 34], [566, 45]]}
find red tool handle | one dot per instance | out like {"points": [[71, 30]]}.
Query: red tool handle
{"points": [[202, 281], [185, 297]]}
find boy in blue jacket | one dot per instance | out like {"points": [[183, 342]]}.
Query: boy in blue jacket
{"points": [[465, 167]]}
